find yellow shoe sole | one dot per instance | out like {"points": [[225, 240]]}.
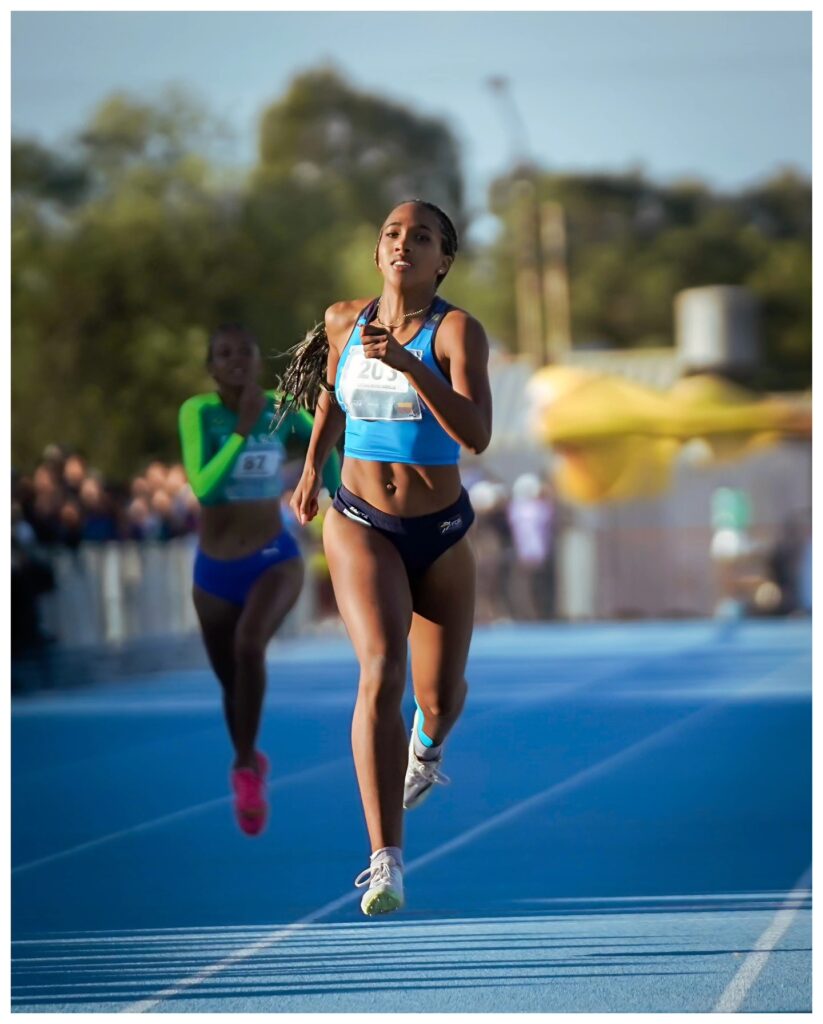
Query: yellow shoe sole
{"points": [[381, 903]]}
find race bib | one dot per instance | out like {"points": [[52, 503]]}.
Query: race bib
{"points": [[372, 390], [257, 465]]}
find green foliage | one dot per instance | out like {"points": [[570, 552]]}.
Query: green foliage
{"points": [[369, 153], [37, 173], [131, 245], [129, 249], [108, 295], [632, 246]]}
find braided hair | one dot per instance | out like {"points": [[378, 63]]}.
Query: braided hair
{"points": [[305, 376]]}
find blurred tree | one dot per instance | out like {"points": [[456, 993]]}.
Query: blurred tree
{"points": [[332, 162], [38, 173], [783, 283], [633, 245], [125, 132], [779, 208], [364, 151], [111, 303], [132, 244], [114, 294]]}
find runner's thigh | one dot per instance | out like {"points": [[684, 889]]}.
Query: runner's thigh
{"points": [[443, 620], [371, 588], [270, 599]]}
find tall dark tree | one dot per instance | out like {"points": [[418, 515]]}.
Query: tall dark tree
{"points": [[632, 245], [114, 292], [366, 151]]}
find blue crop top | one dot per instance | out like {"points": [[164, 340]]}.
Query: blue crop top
{"points": [[386, 420]]}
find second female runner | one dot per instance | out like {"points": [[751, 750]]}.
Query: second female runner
{"points": [[248, 570]]}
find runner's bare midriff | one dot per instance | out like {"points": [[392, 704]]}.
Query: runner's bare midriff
{"points": [[401, 489], [238, 528]]}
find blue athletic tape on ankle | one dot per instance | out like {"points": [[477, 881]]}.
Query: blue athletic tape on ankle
{"points": [[424, 739]]}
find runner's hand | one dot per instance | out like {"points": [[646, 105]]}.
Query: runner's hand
{"points": [[251, 405], [304, 499], [380, 343]]}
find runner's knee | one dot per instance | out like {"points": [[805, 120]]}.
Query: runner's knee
{"points": [[249, 646], [382, 679], [444, 701]]}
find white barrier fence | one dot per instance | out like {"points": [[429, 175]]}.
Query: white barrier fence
{"points": [[637, 559], [117, 593]]}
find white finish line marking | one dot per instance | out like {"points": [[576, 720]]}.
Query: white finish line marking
{"points": [[741, 984], [545, 796]]}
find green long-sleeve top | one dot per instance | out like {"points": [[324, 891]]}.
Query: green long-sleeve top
{"points": [[223, 466]]}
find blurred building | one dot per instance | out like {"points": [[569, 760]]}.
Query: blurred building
{"points": [[653, 557]]}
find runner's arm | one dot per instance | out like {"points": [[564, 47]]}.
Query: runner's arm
{"points": [[204, 477], [303, 426]]}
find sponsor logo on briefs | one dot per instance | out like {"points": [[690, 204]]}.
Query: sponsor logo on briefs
{"points": [[356, 514], [450, 524]]}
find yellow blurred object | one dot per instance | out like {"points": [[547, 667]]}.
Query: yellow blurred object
{"points": [[617, 440], [706, 405], [318, 566], [620, 469], [570, 405]]}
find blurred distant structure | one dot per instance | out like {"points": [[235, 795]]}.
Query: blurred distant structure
{"points": [[629, 246], [542, 282], [717, 330], [647, 544]]}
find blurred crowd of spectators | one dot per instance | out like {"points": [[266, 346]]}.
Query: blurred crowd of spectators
{"points": [[514, 538], [66, 502]]}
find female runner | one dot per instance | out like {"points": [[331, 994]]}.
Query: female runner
{"points": [[248, 571], [406, 376]]}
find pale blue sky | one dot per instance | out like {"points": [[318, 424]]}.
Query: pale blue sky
{"points": [[722, 96]]}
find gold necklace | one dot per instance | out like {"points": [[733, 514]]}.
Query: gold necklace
{"points": [[403, 319]]}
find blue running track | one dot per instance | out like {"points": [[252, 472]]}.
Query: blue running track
{"points": [[628, 828]]}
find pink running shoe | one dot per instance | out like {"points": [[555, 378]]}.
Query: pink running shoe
{"points": [[250, 806]]}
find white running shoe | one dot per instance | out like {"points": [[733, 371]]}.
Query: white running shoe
{"points": [[384, 877], [421, 776]]}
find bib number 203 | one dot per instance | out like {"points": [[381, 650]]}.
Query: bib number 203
{"points": [[373, 369]]}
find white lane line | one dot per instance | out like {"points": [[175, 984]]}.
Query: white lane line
{"points": [[185, 812], [180, 986], [754, 898], [543, 797], [566, 786], [556, 693], [741, 984]]}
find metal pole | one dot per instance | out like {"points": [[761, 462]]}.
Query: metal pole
{"points": [[556, 303]]}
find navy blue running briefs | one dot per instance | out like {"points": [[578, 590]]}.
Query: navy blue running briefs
{"points": [[420, 540]]}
